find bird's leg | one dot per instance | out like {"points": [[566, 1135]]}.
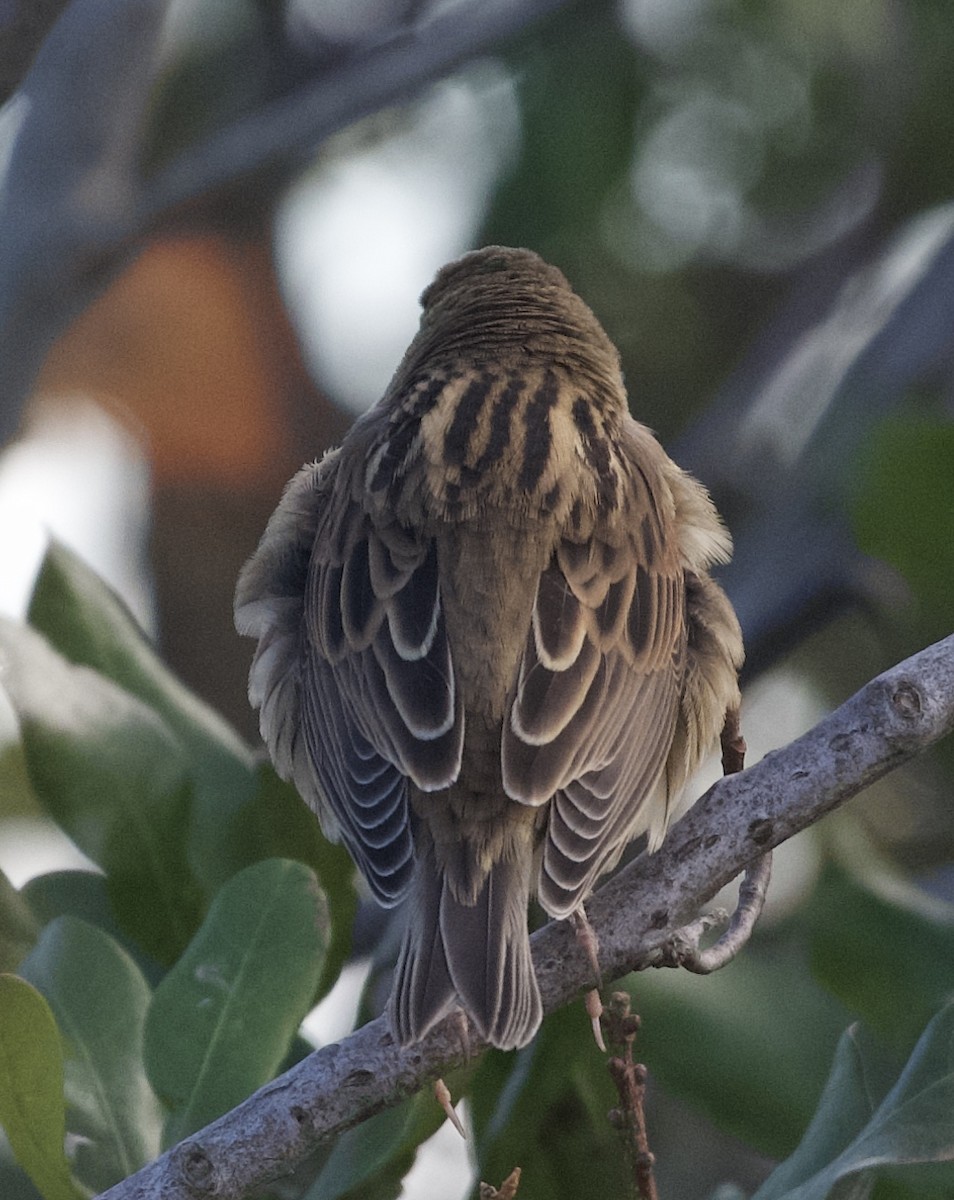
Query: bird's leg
{"points": [[733, 744], [441, 1090], [683, 949], [443, 1097], [589, 944]]}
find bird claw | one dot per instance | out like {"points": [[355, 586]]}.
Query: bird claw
{"points": [[589, 944], [443, 1097], [594, 1010]]}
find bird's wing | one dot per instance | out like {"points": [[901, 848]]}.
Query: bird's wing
{"points": [[596, 702], [363, 694]]}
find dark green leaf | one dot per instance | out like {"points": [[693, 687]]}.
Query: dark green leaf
{"points": [[32, 1108], [72, 893], [15, 791], [370, 1161], [544, 1109], [224, 1017], [579, 102], [734, 1044], [853, 1134], [99, 999], [88, 623], [18, 925], [115, 778], [14, 1182], [882, 947], [847, 1102], [904, 512], [278, 824], [84, 894]]}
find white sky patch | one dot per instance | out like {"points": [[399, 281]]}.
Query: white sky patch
{"points": [[442, 1167], [78, 476], [360, 237], [31, 846]]}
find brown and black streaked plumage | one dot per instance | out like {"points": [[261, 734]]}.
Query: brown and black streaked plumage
{"points": [[489, 651]]}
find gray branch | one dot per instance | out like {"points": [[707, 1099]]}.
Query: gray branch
{"points": [[891, 720]]}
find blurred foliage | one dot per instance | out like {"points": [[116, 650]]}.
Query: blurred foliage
{"points": [[861, 1128], [547, 1106], [755, 199], [159, 1033], [904, 511]]}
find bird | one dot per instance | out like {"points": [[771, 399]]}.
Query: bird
{"points": [[489, 648]]}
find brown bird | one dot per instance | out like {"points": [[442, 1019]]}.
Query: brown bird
{"points": [[489, 651]]}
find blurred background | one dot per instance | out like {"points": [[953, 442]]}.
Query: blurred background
{"points": [[215, 219]]}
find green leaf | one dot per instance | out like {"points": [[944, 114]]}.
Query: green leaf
{"points": [[224, 1017], [72, 893], [15, 791], [544, 1109], [846, 1105], [579, 104], [734, 1044], [852, 1135], [88, 623], [904, 512], [99, 999], [84, 619], [15, 1184], [115, 778], [84, 894], [32, 1108], [278, 824], [370, 1161], [883, 947], [18, 926]]}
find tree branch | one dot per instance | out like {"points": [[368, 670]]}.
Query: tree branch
{"points": [[889, 721]]}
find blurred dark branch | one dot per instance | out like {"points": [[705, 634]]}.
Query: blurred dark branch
{"points": [[361, 79], [23, 27], [889, 721], [76, 202], [779, 443]]}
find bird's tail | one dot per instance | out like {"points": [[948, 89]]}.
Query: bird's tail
{"points": [[473, 956]]}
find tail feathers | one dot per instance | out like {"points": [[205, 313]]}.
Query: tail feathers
{"points": [[476, 957]]}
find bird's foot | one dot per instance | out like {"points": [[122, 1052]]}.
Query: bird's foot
{"points": [[589, 943]]}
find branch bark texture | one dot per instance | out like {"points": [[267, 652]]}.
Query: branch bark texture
{"points": [[892, 719]]}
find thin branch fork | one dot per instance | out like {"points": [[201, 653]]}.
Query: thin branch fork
{"points": [[888, 722]]}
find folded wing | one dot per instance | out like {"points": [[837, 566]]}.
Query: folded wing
{"points": [[596, 702], [355, 681]]}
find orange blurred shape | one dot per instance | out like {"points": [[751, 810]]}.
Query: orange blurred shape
{"points": [[191, 346]]}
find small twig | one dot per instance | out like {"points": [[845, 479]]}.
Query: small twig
{"points": [[506, 1191], [629, 1076]]}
